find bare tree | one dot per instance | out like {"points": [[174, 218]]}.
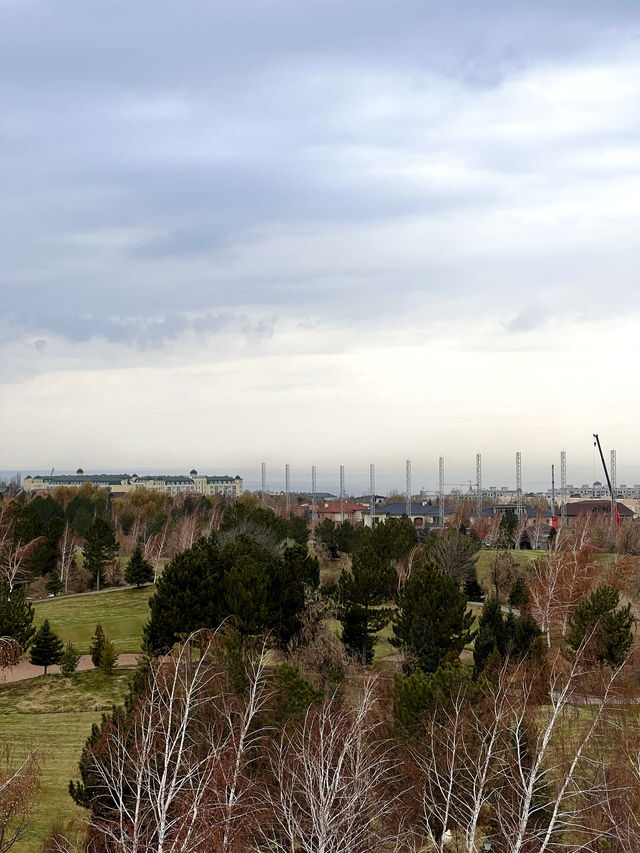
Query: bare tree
{"points": [[331, 775], [176, 775], [66, 555], [19, 783], [14, 554]]}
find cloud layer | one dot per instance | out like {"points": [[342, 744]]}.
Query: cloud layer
{"points": [[409, 219]]}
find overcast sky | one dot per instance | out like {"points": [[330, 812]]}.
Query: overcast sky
{"points": [[320, 232]]}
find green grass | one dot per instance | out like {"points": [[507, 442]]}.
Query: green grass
{"points": [[486, 556], [122, 613], [56, 714]]}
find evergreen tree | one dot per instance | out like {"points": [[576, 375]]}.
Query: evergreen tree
{"points": [[139, 571], [605, 628], [96, 646], [519, 595], [109, 657], [100, 549], [69, 660], [361, 591], [47, 647], [431, 623], [16, 615], [54, 584], [513, 636], [472, 589]]}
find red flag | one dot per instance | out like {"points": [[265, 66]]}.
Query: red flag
{"points": [[554, 522]]}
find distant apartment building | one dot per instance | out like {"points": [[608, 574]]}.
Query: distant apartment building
{"points": [[169, 484]]}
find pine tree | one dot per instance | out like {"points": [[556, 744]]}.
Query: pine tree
{"points": [[16, 615], [47, 647], [139, 571], [69, 660], [100, 548], [432, 622], [109, 657], [605, 628], [97, 645]]}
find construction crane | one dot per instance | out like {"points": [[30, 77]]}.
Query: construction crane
{"points": [[614, 508]]}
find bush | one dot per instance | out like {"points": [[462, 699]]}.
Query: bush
{"points": [[69, 660]]}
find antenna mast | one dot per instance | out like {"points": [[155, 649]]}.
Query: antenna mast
{"points": [[287, 489], [314, 499], [372, 489], [441, 492], [408, 490], [563, 486], [342, 494], [518, 484], [479, 482], [264, 483], [614, 476]]}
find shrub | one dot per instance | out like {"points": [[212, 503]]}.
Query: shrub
{"points": [[69, 660]]}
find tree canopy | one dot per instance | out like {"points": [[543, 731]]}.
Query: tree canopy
{"points": [[431, 623], [603, 626]]}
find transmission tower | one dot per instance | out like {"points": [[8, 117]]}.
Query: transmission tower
{"points": [[563, 487], [264, 483], [518, 484], [614, 477], [287, 489], [314, 498], [342, 494], [479, 482], [441, 492], [372, 489], [553, 490], [408, 490]]}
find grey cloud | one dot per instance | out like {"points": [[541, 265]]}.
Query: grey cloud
{"points": [[196, 131]]}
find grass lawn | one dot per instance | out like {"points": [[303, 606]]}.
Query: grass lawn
{"points": [[55, 714], [122, 613], [486, 556]]}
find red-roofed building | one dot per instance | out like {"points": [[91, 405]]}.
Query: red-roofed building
{"points": [[352, 511]]}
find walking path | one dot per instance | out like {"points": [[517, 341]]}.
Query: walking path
{"points": [[25, 669]]}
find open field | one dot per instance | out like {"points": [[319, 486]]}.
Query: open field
{"points": [[121, 612], [56, 714], [487, 555]]}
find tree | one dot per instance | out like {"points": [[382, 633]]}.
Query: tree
{"points": [[100, 548], [431, 622], [603, 626], [361, 591], [19, 784], [108, 658], [69, 660], [47, 647], [456, 555], [176, 770], [97, 645], [330, 783], [139, 571], [16, 615], [512, 637]]}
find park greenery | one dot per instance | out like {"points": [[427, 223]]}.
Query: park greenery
{"points": [[266, 656]]}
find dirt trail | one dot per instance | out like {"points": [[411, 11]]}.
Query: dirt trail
{"points": [[25, 669]]}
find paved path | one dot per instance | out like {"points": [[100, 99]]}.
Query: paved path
{"points": [[25, 669]]}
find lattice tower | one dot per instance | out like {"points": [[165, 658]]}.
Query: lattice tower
{"points": [[441, 492], [264, 482], [287, 488], [314, 496], [563, 486], [408, 489], [342, 494], [372, 489], [479, 482], [614, 476], [518, 484]]}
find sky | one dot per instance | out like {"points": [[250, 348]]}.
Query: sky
{"points": [[318, 232]]}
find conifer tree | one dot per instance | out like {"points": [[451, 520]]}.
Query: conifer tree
{"points": [[69, 660], [47, 647], [100, 548], [16, 615], [139, 571], [97, 644]]}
